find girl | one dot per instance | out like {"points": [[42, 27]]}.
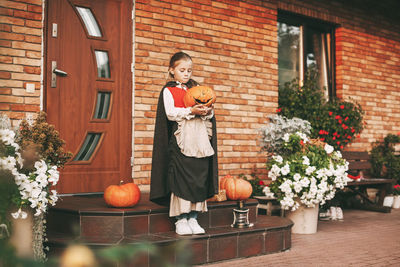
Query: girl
{"points": [[183, 181]]}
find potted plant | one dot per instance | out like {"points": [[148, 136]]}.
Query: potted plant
{"points": [[305, 173], [29, 160]]}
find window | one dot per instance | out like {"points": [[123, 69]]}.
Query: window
{"points": [[303, 45]]}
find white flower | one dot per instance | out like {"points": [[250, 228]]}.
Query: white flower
{"points": [[303, 137], [41, 167], [268, 192], [285, 169], [338, 154], [306, 160], [54, 175], [297, 177], [19, 214], [54, 197], [310, 170], [286, 137], [7, 136], [297, 187], [278, 159], [42, 180], [328, 148], [7, 163]]}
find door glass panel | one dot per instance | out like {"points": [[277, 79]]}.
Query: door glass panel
{"points": [[288, 52], [103, 65], [102, 105], [88, 147], [87, 16]]}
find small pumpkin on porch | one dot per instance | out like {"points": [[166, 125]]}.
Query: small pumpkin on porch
{"points": [[123, 195], [236, 188], [202, 95]]}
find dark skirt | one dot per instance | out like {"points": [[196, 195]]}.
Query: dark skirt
{"points": [[188, 176]]}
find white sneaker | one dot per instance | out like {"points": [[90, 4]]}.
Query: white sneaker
{"points": [[196, 228], [339, 213], [182, 227], [333, 214]]}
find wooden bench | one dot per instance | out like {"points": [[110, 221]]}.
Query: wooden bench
{"points": [[359, 165]]}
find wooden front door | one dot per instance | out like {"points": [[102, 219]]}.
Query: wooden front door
{"points": [[88, 89]]}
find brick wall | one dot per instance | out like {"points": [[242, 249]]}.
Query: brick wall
{"points": [[20, 57], [234, 49]]}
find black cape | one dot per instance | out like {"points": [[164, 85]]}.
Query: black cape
{"points": [[167, 161]]}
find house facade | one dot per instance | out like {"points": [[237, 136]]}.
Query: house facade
{"points": [[97, 68]]}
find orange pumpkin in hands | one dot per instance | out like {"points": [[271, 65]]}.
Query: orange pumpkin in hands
{"points": [[199, 95], [236, 188], [123, 195]]}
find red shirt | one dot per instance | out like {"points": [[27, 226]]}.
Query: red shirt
{"points": [[178, 94]]}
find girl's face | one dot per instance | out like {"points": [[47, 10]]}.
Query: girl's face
{"points": [[182, 71]]}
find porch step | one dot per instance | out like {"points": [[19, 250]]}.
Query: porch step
{"points": [[89, 220]]}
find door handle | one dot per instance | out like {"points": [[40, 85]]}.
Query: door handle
{"points": [[60, 72], [55, 72]]}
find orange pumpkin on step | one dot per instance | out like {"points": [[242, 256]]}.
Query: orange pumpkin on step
{"points": [[236, 188], [123, 195], [199, 95]]}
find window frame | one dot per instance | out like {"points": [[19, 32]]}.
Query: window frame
{"points": [[305, 23]]}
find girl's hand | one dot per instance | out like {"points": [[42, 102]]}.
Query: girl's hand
{"points": [[200, 110], [209, 109]]}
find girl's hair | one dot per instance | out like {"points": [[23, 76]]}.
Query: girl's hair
{"points": [[174, 61]]}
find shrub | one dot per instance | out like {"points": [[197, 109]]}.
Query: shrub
{"points": [[384, 161], [336, 122]]}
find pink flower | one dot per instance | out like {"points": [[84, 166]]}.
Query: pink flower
{"points": [[278, 110], [342, 107], [330, 113]]}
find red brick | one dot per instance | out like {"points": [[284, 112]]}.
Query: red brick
{"points": [[36, 9], [27, 15], [5, 91], [5, 59], [5, 43], [12, 36], [11, 20], [33, 2], [5, 28], [6, 11], [4, 106], [32, 70], [32, 108], [33, 39], [33, 24], [5, 75]]}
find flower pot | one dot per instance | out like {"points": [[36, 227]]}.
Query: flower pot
{"points": [[396, 202], [305, 220], [388, 201], [22, 235]]}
